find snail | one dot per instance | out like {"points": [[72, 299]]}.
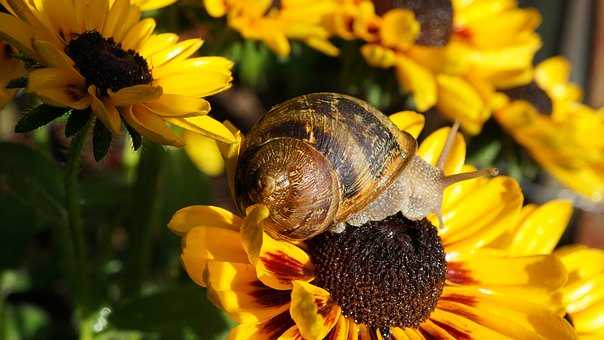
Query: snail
{"points": [[324, 160]]}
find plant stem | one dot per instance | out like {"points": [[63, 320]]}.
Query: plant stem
{"points": [[145, 209], [74, 217]]}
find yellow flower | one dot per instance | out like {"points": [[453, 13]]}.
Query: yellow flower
{"points": [[583, 294], [547, 118], [99, 54], [447, 55], [274, 22], [10, 69], [396, 277]]}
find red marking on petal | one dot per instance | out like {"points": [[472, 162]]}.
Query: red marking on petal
{"points": [[283, 266], [456, 333], [327, 311], [456, 273], [269, 297], [463, 299], [278, 325], [464, 33]]}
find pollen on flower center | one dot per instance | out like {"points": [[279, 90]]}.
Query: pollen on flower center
{"points": [[383, 274], [434, 16], [105, 64]]}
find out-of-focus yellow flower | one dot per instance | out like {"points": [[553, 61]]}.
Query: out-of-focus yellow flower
{"points": [[10, 69], [450, 55], [583, 294], [275, 289], [547, 118], [101, 55], [275, 22]]}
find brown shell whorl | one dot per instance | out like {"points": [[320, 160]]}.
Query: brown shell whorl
{"points": [[294, 181]]}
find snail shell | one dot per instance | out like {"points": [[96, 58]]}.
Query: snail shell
{"points": [[316, 159]]}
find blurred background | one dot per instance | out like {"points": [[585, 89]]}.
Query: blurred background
{"points": [[138, 284]]}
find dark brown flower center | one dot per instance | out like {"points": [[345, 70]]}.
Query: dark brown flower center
{"points": [[105, 64], [383, 274], [434, 16], [533, 94]]}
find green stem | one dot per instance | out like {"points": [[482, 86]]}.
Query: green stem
{"points": [[75, 231], [143, 223]]}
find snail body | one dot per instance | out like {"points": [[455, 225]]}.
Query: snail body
{"points": [[321, 160]]}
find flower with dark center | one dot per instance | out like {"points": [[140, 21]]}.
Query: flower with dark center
{"points": [[394, 278], [547, 118], [102, 57], [384, 274], [106, 64], [435, 18], [449, 55]]}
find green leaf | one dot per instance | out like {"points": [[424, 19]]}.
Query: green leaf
{"points": [[31, 198], [76, 121], [39, 116], [171, 312], [137, 141], [33, 179], [17, 83], [101, 140]]}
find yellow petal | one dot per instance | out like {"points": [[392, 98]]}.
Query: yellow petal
{"points": [[203, 215], [150, 125], [418, 80], [409, 121], [399, 28], [147, 5], [105, 111], [269, 329], [17, 33], [496, 199], [378, 56], [95, 13], [202, 244], [531, 272], [215, 8], [138, 34], [135, 94], [234, 288], [194, 84], [173, 105], [206, 126], [323, 45], [117, 15], [61, 14], [459, 100], [179, 51], [277, 263], [230, 153], [512, 317], [312, 310], [431, 148], [157, 42], [277, 42], [58, 87], [340, 329], [204, 153], [200, 65], [590, 319], [50, 55], [541, 230]]}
